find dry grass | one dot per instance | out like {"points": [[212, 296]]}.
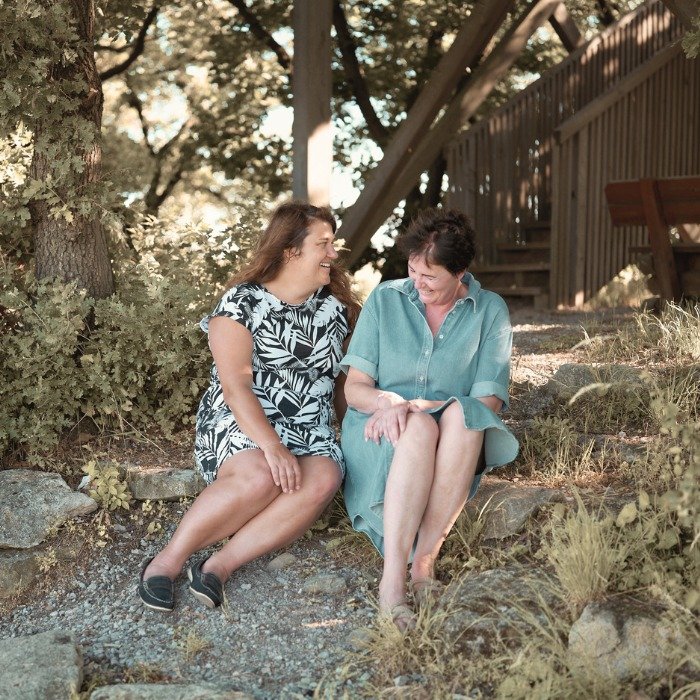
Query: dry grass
{"points": [[586, 552]]}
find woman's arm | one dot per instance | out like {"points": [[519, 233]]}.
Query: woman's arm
{"points": [[232, 348], [492, 402], [388, 410]]}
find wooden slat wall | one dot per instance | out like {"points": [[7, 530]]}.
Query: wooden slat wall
{"points": [[651, 131], [500, 170]]}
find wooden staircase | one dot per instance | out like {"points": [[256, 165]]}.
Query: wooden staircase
{"points": [[521, 276]]}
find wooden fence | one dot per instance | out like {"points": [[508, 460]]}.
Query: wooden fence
{"points": [[501, 170], [648, 126]]}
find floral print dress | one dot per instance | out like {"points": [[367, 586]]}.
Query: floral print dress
{"points": [[296, 358]]}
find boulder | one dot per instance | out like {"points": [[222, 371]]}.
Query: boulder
{"points": [[621, 639], [505, 508], [163, 483], [41, 666], [33, 503], [569, 378], [282, 561], [162, 691], [19, 569], [484, 608]]}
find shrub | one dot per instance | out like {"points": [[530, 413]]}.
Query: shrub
{"points": [[145, 361], [106, 487], [42, 328]]}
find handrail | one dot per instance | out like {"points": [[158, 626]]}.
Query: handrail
{"points": [[587, 114], [639, 14]]}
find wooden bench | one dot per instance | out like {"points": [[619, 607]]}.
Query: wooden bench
{"points": [[660, 204]]}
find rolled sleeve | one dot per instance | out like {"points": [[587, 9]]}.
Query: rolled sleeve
{"points": [[363, 351], [492, 375], [360, 363]]}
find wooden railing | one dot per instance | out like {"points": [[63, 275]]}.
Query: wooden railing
{"points": [[500, 170], [648, 126]]}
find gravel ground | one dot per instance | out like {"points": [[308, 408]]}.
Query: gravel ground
{"points": [[275, 638]]}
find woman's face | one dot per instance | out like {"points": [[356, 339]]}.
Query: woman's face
{"points": [[434, 283], [313, 260]]}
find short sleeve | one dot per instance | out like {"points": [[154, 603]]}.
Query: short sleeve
{"points": [[363, 351], [237, 303], [493, 366]]}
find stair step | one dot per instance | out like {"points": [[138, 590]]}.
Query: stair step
{"points": [[537, 232], [512, 267], [524, 247], [537, 225], [518, 291]]}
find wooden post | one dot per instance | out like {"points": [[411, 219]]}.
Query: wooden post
{"points": [[664, 264], [312, 86], [566, 28]]}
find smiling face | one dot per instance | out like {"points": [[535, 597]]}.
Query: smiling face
{"points": [[313, 259], [435, 284]]}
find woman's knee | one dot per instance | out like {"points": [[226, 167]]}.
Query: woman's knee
{"points": [[422, 426], [250, 473], [323, 483], [452, 415]]}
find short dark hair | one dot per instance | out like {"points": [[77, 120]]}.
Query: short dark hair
{"points": [[443, 236]]}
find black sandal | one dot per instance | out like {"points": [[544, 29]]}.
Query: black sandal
{"points": [[156, 592], [205, 587]]}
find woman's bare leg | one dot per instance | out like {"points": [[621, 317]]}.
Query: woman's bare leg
{"points": [[456, 460], [243, 487], [284, 520], [405, 498]]}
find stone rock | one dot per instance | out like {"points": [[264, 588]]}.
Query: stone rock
{"points": [[505, 508], [621, 639], [359, 639], [283, 561], [33, 503], [484, 607], [47, 665], [163, 483], [325, 583], [19, 569], [162, 691], [569, 378]]}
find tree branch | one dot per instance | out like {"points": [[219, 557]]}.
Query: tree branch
{"points": [[354, 75], [261, 33], [136, 49], [133, 100]]}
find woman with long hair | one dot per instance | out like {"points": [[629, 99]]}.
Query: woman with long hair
{"points": [[265, 442]]}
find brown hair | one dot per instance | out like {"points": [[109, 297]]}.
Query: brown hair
{"points": [[444, 237], [287, 229]]}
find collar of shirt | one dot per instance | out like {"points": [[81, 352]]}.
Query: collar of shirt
{"points": [[405, 286]]}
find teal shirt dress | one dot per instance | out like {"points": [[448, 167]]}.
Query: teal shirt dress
{"points": [[468, 357]]}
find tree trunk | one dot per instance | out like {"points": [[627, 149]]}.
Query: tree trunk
{"points": [[75, 250]]}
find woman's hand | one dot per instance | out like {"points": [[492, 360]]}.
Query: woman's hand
{"points": [[389, 422], [284, 467]]}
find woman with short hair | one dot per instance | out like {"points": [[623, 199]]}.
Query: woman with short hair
{"points": [[428, 371]]}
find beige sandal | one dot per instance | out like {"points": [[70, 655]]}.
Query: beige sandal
{"points": [[402, 616], [427, 591]]}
